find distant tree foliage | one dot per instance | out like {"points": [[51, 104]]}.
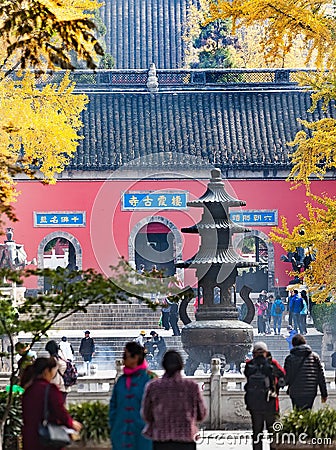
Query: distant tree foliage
{"points": [[41, 33], [208, 44], [282, 22], [213, 44]]}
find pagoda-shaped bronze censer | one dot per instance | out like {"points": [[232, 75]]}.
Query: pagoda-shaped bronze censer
{"points": [[217, 330]]}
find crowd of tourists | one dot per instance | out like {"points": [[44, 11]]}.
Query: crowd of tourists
{"points": [[151, 413], [270, 312]]}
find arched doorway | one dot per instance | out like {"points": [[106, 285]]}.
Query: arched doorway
{"points": [[58, 249], [156, 241], [256, 247], [154, 246], [59, 252]]}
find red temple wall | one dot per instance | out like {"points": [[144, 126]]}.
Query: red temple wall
{"points": [[105, 237]]}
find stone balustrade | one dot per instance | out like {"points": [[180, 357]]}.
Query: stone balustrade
{"points": [[224, 396]]}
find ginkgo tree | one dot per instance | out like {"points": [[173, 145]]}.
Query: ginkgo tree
{"points": [[42, 33], [38, 129], [314, 150], [40, 121]]}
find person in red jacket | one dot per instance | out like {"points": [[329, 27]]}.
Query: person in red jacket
{"points": [[43, 371]]}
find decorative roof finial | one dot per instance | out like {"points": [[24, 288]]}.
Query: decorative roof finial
{"points": [[152, 81]]}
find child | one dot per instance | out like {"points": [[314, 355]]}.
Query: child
{"points": [[291, 333]]}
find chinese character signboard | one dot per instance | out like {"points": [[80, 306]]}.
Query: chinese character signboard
{"points": [[255, 217], [154, 200], [60, 219]]}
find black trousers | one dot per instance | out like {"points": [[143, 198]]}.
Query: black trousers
{"points": [[172, 445], [303, 402], [259, 419]]}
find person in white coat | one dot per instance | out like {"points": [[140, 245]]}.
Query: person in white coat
{"points": [[66, 348]]}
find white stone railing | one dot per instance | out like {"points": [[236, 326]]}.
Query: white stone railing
{"points": [[223, 395]]}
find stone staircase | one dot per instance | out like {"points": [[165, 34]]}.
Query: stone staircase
{"points": [[119, 316], [109, 349], [278, 345], [113, 325]]}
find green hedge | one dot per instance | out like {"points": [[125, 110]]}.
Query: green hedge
{"points": [[94, 417], [324, 313], [312, 424], [14, 421]]}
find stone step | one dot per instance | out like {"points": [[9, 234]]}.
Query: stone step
{"points": [[110, 349], [278, 345], [116, 316]]}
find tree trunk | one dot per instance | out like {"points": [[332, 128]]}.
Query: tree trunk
{"points": [[2, 432]]}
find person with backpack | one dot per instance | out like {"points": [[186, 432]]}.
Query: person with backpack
{"points": [[304, 373], [53, 349], [277, 310], [261, 391]]}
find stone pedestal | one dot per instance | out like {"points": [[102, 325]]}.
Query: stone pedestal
{"points": [[328, 345], [229, 340]]}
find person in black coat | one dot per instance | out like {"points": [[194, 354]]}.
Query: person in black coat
{"points": [[304, 373], [87, 349]]}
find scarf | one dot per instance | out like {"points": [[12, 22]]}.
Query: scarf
{"points": [[129, 372]]}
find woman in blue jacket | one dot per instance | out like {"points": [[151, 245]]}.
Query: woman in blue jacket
{"points": [[125, 420]]}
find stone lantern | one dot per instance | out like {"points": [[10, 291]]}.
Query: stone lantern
{"points": [[217, 330]]}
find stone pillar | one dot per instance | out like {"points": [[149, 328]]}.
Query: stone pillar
{"points": [[215, 394], [328, 345], [119, 368]]}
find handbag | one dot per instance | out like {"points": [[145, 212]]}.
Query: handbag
{"points": [[52, 435]]}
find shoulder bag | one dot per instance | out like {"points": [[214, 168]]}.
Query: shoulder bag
{"points": [[52, 435]]}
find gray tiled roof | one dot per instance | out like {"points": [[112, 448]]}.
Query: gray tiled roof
{"points": [[140, 32], [231, 130]]}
